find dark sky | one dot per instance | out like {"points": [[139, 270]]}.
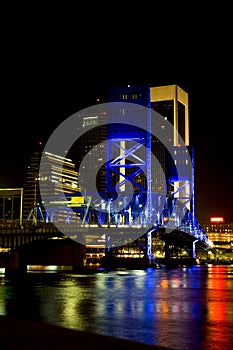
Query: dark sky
{"points": [[50, 70]]}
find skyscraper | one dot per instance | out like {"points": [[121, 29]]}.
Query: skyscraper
{"points": [[53, 185], [171, 102]]}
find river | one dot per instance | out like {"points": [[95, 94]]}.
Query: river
{"points": [[181, 308]]}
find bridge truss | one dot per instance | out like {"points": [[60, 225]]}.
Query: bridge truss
{"points": [[139, 192]]}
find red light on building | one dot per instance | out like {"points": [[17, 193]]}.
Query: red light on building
{"points": [[216, 220]]}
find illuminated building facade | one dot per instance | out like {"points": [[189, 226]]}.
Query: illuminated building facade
{"points": [[172, 103], [53, 185], [220, 232]]}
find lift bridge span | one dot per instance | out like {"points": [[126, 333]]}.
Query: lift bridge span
{"points": [[110, 235], [86, 224], [149, 184], [89, 225]]}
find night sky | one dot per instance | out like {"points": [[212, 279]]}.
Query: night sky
{"points": [[50, 71]]}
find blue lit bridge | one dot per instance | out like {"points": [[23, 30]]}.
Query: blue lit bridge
{"points": [[178, 230], [148, 195], [66, 245]]}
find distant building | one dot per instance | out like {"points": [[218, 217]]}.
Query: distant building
{"points": [[90, 141], [31, 186], [220, 232], [11, 203], [51, 181]]}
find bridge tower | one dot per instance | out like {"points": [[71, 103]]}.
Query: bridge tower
{"points": [[171, 102], [130, 154]]}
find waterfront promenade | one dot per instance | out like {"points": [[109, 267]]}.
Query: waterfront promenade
{"points": [[27, 335]]}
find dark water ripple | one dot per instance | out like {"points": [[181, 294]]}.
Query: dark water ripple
{"points": [[180, 308]]}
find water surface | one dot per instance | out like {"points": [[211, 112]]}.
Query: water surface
{"points": [[180, 308]]}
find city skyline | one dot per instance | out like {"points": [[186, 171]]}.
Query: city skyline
{"points": [[210, 139], [56, 61], [49, 74], [50, 71]]}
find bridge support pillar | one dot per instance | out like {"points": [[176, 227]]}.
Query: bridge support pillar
{"points": [[78, 256], [13, 266], [194, 249], [178, 254]]}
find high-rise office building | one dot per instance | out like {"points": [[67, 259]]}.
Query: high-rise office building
{"points": [[31, 196], [90, 142], [171, 102], [53, 184]]}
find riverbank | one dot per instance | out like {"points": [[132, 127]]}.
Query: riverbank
{"points": [[27, 335]]}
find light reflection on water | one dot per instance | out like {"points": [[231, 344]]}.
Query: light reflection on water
{"points": [[180, 308]]}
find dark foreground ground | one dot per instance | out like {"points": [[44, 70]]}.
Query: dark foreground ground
{"points": [[24, 335]]}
